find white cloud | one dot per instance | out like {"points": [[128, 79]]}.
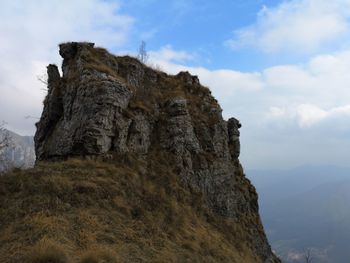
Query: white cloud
{"points": [[29, 34], [308, 94], [168, 54], [288, 77], [277, 112], [310, 114], [296, 25]]}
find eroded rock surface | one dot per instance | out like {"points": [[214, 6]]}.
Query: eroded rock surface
{"points": [[105, 105]]}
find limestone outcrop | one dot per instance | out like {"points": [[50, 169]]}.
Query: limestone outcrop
{"points": [[111, 107]]}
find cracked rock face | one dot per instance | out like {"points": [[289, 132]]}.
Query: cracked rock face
{"points": [[105, 105]]}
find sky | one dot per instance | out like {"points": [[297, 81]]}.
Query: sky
{"points": [[282, 67]]}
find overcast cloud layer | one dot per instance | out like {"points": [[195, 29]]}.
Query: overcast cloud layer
{"points": [[298, 25], [292, 114]]}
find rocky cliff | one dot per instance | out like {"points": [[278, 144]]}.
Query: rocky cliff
{"points": [[116, 108]]}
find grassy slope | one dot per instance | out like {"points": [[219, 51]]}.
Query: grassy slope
{"points": [[81, 211]]}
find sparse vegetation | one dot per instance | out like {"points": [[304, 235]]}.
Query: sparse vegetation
{"points": [[135, 216], [307, 256], [43, 78], [142, 53]]}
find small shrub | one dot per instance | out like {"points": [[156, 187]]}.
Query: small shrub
{"points": [[47, 251]]}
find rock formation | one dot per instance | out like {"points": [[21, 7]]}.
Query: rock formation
{"points": [[111, 107]]}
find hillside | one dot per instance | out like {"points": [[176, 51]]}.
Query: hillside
{"points": [[76, 208], [163, 164]]}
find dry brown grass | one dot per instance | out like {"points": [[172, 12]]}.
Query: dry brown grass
{"points": [[99, 255], [91, 206], [99, 60], [47, 251], [141, 105]]}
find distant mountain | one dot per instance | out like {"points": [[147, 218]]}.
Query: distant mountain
{"points": [[307, 207], [20, 153]]}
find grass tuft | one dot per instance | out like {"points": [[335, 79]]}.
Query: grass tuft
{"points": [[47, 251]]}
